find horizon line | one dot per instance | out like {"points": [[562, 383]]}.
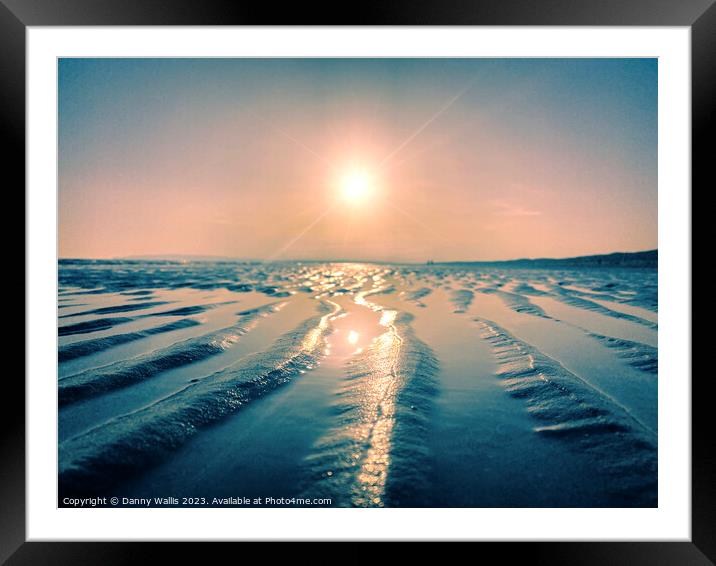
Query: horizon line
{"points": [[208, 257]]}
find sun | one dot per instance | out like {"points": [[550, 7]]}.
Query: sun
{"points": [[356, 186]]}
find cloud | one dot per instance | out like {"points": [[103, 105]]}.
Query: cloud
{"points": [[506, 208]]}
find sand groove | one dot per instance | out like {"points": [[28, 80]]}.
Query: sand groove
{"points": [[123, 373], [586, 419], [129, 443]]}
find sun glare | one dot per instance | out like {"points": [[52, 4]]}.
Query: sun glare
{"points": [[356, 186]]}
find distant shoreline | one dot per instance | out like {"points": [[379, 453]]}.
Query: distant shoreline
{"points": [[646, 259]]}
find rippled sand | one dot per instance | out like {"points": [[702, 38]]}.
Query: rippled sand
{"points": [[371, 385]]}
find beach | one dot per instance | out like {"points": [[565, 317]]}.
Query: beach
{"points": [[222, 383]]}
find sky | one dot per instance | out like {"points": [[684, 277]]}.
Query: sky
{"points": [[357, 159]]}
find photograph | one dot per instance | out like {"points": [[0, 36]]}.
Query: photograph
{"points": [[330, 282]]}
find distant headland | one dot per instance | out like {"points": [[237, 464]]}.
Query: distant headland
{"points": [[645, 259]]}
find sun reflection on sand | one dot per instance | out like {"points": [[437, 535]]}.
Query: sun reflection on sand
{"points": [[379, 400], [353, 337], [367, 338]]}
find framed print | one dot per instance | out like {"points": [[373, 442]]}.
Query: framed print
{"points": [[426, 278]]}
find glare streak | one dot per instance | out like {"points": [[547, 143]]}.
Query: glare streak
{"points": [[299, 143], [425, 124], [300, 235]]}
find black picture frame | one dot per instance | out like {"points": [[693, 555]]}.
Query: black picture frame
{"points": [[17, 15]]}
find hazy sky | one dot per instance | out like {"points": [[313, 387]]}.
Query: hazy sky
{"points": [[456, 158]]}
